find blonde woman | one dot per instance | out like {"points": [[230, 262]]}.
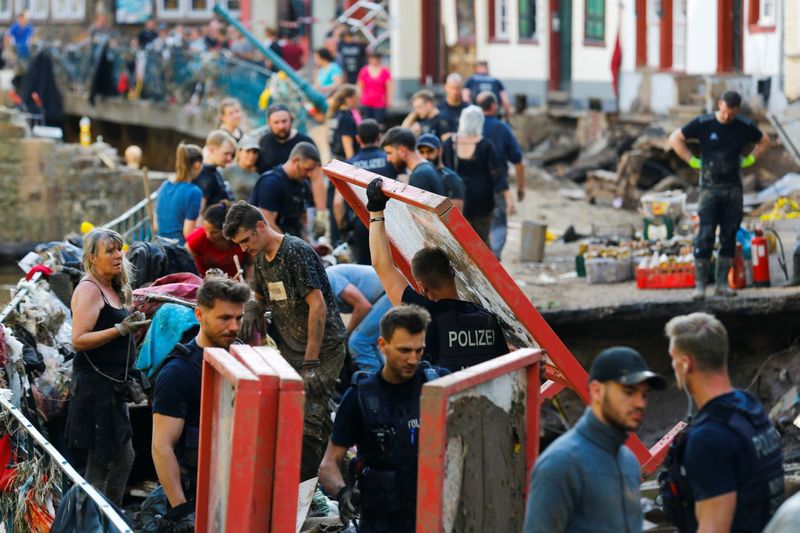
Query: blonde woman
{"points": [[105, 353], [230, 117], [343, 121], [179, 200]]}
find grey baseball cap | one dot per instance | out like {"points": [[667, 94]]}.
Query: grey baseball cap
{"points": [[248, 143]]}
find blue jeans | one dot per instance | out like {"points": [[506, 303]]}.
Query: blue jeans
{"points": [[497, 235], [363, 341]]}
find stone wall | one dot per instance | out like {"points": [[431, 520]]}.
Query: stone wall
{"points": [[48, 188]]}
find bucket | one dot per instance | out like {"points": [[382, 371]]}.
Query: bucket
{"points": [[534, 235]]}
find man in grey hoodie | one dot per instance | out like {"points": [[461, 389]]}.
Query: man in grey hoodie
{"points": [[587, 480]]}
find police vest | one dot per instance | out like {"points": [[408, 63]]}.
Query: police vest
{"points": [[464, 335], [388, 478], [761, 492]]}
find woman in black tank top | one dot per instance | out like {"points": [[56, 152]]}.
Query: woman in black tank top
{"points": [[105, 352]]}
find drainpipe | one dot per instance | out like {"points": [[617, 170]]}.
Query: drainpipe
{"points": [[312, 94]]}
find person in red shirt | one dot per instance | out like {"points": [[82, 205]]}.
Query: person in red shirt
{"points": [[209, 248], [291, 52]]}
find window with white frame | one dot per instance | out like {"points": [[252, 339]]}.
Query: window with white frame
{"points": [[69, 9], [766, 12], [500, 20], [37, 9], [194, 9], [679, 35], [5, 9], [527, 19]]}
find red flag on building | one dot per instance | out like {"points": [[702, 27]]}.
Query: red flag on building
{"points": [[616, 64]]}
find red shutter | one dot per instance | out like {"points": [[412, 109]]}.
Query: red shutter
{"points": [[641, 33], [665, 59]]}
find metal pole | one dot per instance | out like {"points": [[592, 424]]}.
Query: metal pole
{"points": [[315, 96], [64, 465]]}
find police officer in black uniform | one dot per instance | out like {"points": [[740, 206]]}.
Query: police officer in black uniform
{"points": [[725, 472], [176, 399], [380, 414], [722, 136], [462, 333]]}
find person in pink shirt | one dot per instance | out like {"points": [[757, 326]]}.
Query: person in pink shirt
{"points": [[375, 82]]}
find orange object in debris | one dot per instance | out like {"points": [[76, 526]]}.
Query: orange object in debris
{"points": [[736, 275]]}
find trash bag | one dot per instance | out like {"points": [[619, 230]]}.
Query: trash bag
{"points": [[154, 508], [77, 513], [31, 358]]}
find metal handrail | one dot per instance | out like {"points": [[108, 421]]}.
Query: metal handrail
{"points": [[105, 507], [134, 219]]}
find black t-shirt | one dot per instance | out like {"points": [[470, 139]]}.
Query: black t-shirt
{"points": [[146, 37], [213, 185], [276, 191], [478, 83], [721, 147], [425, 176], [453, 184], [452, 113], [349, 428], [373, 159], [461, 333], [274, 152], [343, 123], [437, 125], [352, 57], [177, 392], [482, 174]]}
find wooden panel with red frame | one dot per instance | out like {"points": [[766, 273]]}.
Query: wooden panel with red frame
{"points": [[496, 289], [228, 444], [288, 441]]}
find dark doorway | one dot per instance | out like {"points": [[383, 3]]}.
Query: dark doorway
{"points": [[561, 51]]}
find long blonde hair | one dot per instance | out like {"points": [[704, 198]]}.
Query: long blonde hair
{"points": [[91, 242], [185, 157], [342, 93]]}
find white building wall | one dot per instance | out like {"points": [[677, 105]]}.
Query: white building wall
{"points": [[762, 52], [628, 38], [591, 63], [405, 60], [701, 37]]}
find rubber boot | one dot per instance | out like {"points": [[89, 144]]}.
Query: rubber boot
{"points": [[700, 279], [795, 267], [721, 288]]}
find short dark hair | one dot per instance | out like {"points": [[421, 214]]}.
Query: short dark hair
{"points": [[215, 215], [485, 100], [305, 151], [411, 318], [276, 108], [216, 287], [324, 53], [431, 266], [368, 131], [732, 99], [241, 215], [399, 136]]}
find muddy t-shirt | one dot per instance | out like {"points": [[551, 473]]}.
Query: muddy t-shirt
{"points": [[283, 283], [721, 147]]}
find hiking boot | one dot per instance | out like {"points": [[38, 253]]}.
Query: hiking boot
{"points": [[721, 287], [700, 279], [795, 267]]}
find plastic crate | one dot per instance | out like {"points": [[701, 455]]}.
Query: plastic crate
{"points": [[608, 270], [673, 277]]}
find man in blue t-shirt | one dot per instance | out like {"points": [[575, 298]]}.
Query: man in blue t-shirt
{"points": [[358, 291], [369, 157], [281, 193], [400, 146], [507, 147], [176, 397], [722, 137], [21, 33], [483, 81], [726, 469]]}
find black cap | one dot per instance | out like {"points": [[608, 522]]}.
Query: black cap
{"points": [[625, 366]]}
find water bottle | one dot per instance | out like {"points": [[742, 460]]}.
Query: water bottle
{"points": [[86, 132]]}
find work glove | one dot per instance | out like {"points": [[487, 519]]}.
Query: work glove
{"points": [[312, 379], [321, 223], [748, 161], [131, 323], [348, 499], [696, 163], [181, 518], [376, 200], [253, 321]]}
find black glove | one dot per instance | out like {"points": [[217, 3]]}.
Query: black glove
{"points": [[253, 320], [348, 499], [181, 518], [376, 200], [312, 379]]}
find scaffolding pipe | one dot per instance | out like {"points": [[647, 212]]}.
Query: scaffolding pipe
{"points": [[277, 61]]}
